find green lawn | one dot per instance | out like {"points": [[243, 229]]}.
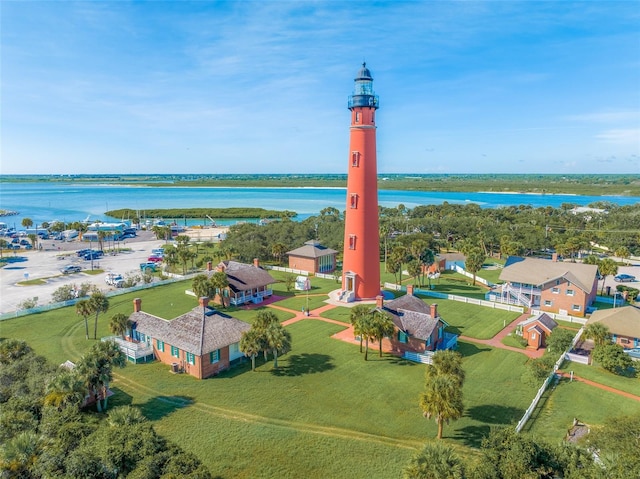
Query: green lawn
{"points": [[339, 314], [300, 301], [601, 376], [514, 341], [325, 406], [558, 408], [471, 320], [490, 271]]}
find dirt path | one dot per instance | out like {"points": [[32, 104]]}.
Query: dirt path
{"points": [[565, 374]]}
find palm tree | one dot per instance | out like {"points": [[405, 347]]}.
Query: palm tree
{"points": [[98, 303], [356, 317], [66, 389], [623, 253], [447, 363], [277, 250], [220, 283], [435, 461], [27, 223], [125, 416], [101, 236], [83, 308], [263, 320], [251, 345], [279, 340], [96, 369], [474, 260], [3, 245], [442, 400], [34, 240], [607, 267], [19, 453], [381, 327], [202, 287], [598, 332], [119, 324]]}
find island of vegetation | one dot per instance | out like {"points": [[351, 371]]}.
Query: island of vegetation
{"points": [[578, 184], [191, 213]]}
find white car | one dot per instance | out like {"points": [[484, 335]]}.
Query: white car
{"points": [[114, 279]]}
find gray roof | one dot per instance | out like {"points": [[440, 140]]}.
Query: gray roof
{"points": [[188, 332], [451, 257], [623, 321], [413, 316], [544, 319], [538, 272], [243, 277], [312, 249]]}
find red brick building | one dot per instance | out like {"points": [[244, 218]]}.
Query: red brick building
{"points": [[548, 285], [202, 342], [536, 330], [313, 257]]}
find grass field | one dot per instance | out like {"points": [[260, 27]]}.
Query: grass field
{"points": [[513, 341], [599, 375], [568, 400], [471, 320], [321, 412]]}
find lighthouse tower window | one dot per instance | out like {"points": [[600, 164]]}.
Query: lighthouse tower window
{"points": [[354, 200], [352, 241], [357, 117], [355, 158]]}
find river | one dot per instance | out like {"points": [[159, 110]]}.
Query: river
{"points": [[72, 202]]}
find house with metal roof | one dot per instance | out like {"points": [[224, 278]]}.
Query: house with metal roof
{"points": [[201, 342], [548, 285], [247, 283], [313, 257]]}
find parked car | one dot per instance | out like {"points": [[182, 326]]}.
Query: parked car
{"points": [[154, 259], [71, 268], [82, 252], [28, 246], [114, 279], [13, 246], [148, 267], [624, 278], [25, 242]]}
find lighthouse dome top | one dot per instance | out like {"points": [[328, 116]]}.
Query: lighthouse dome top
{"points": [[364, 73]]}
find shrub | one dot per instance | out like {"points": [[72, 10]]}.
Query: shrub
{"points": [[612, 358]]}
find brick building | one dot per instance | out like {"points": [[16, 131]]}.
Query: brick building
{"points": [[313, 257]]}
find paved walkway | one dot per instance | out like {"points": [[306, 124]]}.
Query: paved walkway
{"points": [[565, 374]]}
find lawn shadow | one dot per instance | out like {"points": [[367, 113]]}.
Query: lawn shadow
{"points": [[469, 349], [159, 407], [472, 436], [399, 361], [299, 364], [119, 398], [495, 414]]}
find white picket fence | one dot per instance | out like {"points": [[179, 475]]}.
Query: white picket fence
{"points": [[461, 299], [424, 358], [546, 382], [287, 270], [327, 276], [464, 272], [560, 317], [577, 358]]}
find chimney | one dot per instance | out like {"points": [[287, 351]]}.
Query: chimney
{"points": [[410, 289], [204, 301], [434, 310], [137, 305], [554, 257], [379, 301], [256, 262], [209, 266]]}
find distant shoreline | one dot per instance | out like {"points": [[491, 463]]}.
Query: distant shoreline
{"points": [[626, 185]]}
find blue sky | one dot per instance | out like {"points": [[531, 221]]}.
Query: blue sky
{"points": [[262, 87]]}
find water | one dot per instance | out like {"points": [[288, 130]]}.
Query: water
{"points": [[70, 202]]}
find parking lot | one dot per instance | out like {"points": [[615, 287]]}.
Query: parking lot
{"points": [[47, 262]]}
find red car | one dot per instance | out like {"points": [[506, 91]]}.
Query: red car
{"points": [[154, 259]]}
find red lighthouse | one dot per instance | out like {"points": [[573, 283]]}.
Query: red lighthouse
{"points": [[361, 259]]}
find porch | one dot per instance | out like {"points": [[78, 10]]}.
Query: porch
{"points": [[251, 296], [136, 352]]}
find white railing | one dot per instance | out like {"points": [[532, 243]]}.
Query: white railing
{"points": [[464, 272], [327, 276], [577, 358], [424, 358], [560, 317], [131, 349], [546, 382], [519, 294], [287, 270], [392, 286]]}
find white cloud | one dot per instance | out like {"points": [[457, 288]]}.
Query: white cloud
{"points": [[622, 136]]}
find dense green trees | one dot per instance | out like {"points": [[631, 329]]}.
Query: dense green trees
{"points": [[266, 335], [43, 432], [98, 304], [612, 358]]}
